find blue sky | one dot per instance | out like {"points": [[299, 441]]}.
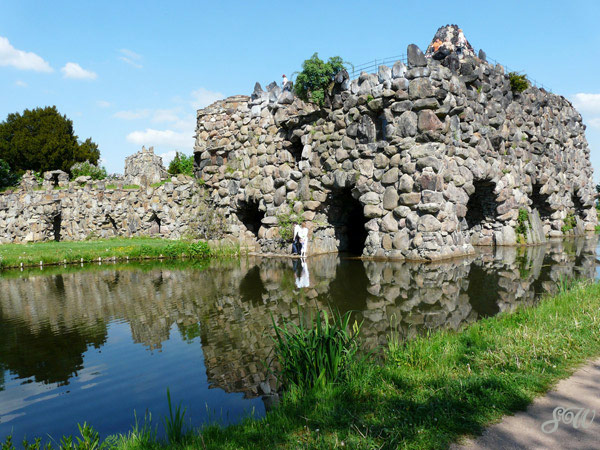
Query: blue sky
{"points": [[134, 72]]}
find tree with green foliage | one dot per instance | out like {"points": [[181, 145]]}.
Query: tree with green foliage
{"points": [[42, 139], [182, 163], [316, 77], [7, 177]]}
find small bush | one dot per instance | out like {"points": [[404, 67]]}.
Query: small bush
{"points": [[569, 223], [182, 164], [87, 169], [518, 83], [317, 351], [522, 224], [316, 77]]}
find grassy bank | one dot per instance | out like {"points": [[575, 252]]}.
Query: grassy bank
{"points": [[424, 393], [13, 255]]}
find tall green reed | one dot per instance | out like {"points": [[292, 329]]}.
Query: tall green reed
{"points": [[174, 424], [317, 351]]}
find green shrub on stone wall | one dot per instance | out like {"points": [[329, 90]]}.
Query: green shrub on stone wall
{"points": [[518, 83], [87, 169], [569, 223], [316, 76]]}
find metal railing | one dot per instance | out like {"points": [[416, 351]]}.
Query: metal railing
{"points": [[372, 66], [507, 70]]}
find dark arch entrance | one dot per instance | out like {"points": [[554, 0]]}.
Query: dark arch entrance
{"points": [[346, 215], [482, 204], [156, 221], [56, 225], [295, 148], [578, 208], [250, 215], [540, 201]]}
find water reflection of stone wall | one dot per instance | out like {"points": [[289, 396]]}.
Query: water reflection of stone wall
{"points": [[230, 305]]}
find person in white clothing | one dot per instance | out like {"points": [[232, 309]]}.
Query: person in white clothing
{"points": [[296, 245], [284, 80], [303, 236]]}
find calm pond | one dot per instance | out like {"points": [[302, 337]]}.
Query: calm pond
{"points": [[97, 343]]}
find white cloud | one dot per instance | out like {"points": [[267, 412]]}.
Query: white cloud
{"points": [[587, 103], [162, 138], [19, 59], [176, 117], [75, 71], [594, 123], [103, 104], [20, 83], [177, 133], [166, 115], [130, 57], [133, 114], [201, 97]]}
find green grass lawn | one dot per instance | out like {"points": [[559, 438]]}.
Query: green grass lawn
{"points": [[424, 393], [12, 255]]}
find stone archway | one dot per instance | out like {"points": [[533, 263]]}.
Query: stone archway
{"points": [[540, 201], [578, 207], [56, 226], [250, 215], [482, 205], [346, 215], [155, 223]]}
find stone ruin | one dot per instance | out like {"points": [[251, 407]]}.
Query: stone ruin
{"points": [[144, 168], [422, 160], [63, 209]]}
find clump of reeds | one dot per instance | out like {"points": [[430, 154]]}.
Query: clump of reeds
{"points": [[317, 350]]}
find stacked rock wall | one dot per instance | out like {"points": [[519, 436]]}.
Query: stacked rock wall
{"points": [[417, 161], [77, 212]]}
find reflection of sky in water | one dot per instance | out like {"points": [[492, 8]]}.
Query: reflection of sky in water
{"points": [[98, 344], [119, 378]]}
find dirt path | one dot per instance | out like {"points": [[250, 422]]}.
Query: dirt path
{"points": [[524, 429]]}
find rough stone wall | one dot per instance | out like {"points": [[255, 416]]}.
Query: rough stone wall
{"points": [[417, 161], [144, 168], [77, 212]]}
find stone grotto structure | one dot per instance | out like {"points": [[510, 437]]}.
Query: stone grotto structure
{"points": [[419, 161]]}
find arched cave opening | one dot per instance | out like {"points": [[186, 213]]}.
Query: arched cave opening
{"points": [[482, 204], [295, 148], [578, 208], [156, 222], [250, 215], [55, 179], [56, 225], [345, 214], [109, 220], [540, 201]]}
